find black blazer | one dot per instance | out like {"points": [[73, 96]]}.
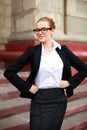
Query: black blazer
{"points": [[32, 55]]}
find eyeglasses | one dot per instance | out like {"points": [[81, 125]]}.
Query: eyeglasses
{"points": [[42, 30]]}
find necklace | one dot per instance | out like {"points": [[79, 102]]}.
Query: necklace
{"points": [[48, 49]]}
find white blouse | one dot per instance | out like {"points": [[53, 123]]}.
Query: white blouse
{"points": [[50, 70]]}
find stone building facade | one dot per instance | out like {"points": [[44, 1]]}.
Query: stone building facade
{"points": [[18, 17]]}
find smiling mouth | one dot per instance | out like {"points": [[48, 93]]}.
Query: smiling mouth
{"points": [[40, 37]]}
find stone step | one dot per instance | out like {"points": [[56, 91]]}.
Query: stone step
{"points": [[15, 122], [8, 92], [76, 106], [21, 122], [13, 109], [79, 92], [13, 106], [19, 105], [4, 81], [75, 122], [24, 75]]}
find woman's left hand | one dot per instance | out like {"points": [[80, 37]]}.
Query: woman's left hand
{"points": [[64, 84]]}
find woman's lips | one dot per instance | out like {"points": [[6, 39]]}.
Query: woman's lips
{"points": [[40, 37]]}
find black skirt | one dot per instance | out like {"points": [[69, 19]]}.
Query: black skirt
{"points": [[48, 107]]}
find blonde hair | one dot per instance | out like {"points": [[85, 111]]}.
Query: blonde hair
{"points": [[49, 20]]}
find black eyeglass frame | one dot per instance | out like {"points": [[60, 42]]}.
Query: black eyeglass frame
{"points": [[42, 30]]}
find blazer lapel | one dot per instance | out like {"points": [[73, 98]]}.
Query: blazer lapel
{"points": [[62, 55], [35, 63], [37, 57], [64, 58]]}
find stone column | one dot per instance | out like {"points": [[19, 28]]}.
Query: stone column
{"points": [[69, 16], [23, 19], [54, 9], [5, 21], [76, 20], [26, 12]]}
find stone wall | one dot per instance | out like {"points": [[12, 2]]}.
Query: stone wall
{"points": [[18, 17]]}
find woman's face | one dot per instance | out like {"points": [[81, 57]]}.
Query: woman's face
{"points": [[43, 31]]}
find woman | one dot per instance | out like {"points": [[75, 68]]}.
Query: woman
{"points": [[50, 77]]}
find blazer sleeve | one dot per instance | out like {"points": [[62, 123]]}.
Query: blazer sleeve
{"points": [[79, 65], [12, 70]]}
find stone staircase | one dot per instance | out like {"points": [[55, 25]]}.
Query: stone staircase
{"points": [[14, 111]]}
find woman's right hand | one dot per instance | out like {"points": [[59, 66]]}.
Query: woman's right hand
{"points": [[33, 89]]}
